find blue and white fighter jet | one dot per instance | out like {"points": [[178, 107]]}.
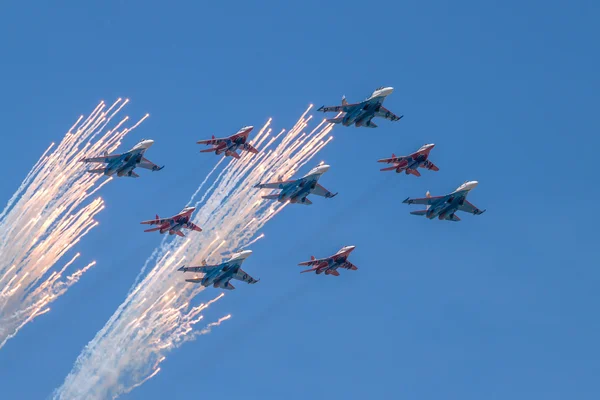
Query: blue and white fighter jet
{"points": [[124, 164], [219, 275], [445, 207], [296, 191], [361, 114]]}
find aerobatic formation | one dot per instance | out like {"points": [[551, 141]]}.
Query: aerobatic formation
{"points": [[157, 315]]}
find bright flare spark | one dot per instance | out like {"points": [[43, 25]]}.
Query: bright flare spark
{"points": [[128, 349], [49, 214]]}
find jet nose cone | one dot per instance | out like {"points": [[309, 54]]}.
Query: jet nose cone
{"points": [[324, 168], [349, 248], [147, 143], [387, 91], [471, 184], [245, 254]]}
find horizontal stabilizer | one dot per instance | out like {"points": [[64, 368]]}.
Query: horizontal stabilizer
{"points": [[419, 212], [207, 150], [96, 171], [153, 229], [194, 280], [388, 168], [271, 196]]}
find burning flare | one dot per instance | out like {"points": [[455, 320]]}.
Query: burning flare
{"points": [[52, 210]]}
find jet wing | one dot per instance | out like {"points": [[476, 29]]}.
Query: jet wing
{"points": [[202, 269], [470, 208], [132, 174], [193, 226], [147, 164], [214, 140], [276, 185], [240, 275], [342, 108], [102, 159], [349, 265], [156, 221], [315, 261], [387, 114], [394, 159], [321, 191], [425, 200]]}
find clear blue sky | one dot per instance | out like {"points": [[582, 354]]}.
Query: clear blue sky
{"points": [[498, 306]]}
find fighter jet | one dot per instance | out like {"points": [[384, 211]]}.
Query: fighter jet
{"points": [[445, 207], [330, 264], [124, 164], [231, 144], [295, 191], [174, 224], [361, 114], [410, 163], [220, 275]]}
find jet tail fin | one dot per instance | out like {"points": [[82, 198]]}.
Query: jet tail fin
{"points": [[344, 101]]}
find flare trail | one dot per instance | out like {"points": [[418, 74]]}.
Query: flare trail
{"points": [[158, 315], [52, 210]]}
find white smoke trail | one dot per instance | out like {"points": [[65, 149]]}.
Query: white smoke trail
{"points": [[52, 210], [158, 315]]}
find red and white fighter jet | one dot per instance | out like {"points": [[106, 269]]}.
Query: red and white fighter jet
{"points": [[410, 163], [330, 264], [174, 224], [230, 144]]}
